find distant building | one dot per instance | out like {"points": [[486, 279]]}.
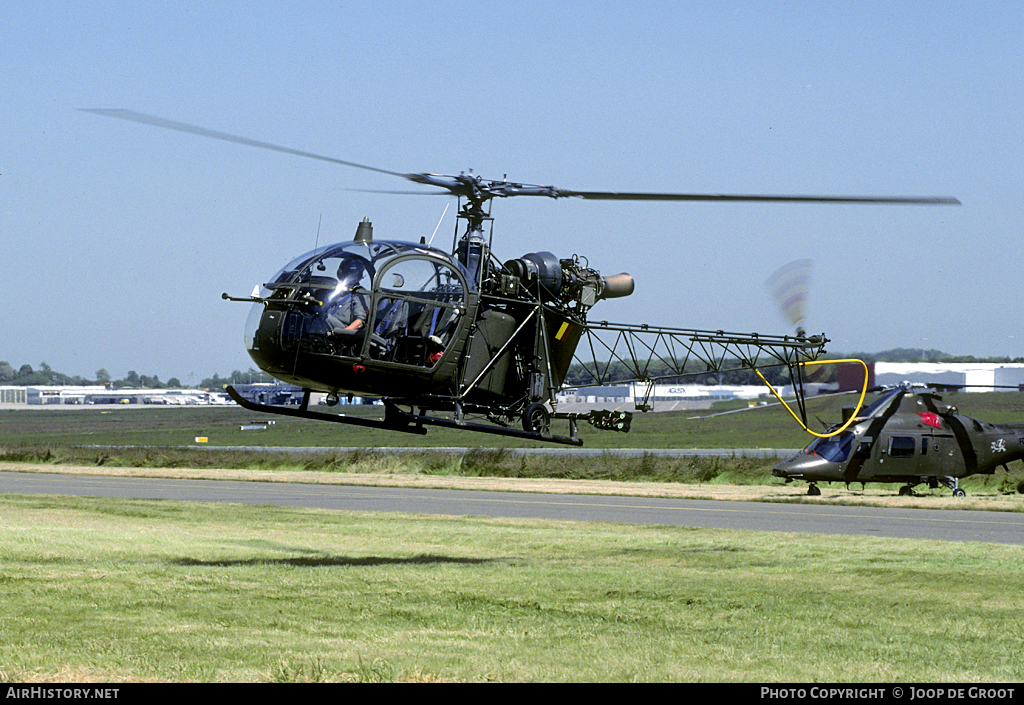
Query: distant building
{"points": [[276, 394], [99, 394], [976, 376], [665, 397], [13, 395], [850, 376], [61, 394]]}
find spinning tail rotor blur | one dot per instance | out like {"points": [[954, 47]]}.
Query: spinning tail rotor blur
{"points": [[789, 286]]}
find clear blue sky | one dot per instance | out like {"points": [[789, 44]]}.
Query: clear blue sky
{"points": [[118, 238]]}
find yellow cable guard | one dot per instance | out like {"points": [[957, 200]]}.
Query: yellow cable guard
{"points": [[853, 416]]}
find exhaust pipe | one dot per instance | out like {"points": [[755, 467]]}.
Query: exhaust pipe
{"points": [[616, 286]]}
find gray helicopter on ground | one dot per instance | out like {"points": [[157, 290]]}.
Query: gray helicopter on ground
{"points": [[909, 436], [462, 339]]}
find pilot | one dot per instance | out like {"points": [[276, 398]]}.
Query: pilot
{"points": [[349, 311]]}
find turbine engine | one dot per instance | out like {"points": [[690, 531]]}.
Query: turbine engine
{"points": [[565, 281]]}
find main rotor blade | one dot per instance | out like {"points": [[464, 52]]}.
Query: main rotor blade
{"points": [[626, 196], [400, 193], [132, 116], [479, 189]]}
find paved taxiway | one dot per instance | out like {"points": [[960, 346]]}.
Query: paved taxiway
{"points": [[943, 525]]}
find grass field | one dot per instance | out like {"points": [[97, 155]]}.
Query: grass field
{"points": [[129, 590], [117, 591], [769, 427], [222, 426]]}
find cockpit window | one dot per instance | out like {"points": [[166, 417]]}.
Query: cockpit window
{"points": [[315, 270], [392, 301], [835, 449], [420, 302]]}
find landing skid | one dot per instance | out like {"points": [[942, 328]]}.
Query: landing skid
{"points": [[390, 422], [396, 420]]}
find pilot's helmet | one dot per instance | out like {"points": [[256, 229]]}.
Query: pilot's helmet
{"points": [[350, 271]]}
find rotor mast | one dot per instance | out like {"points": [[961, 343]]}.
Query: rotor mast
{"points": [[473, 250]]}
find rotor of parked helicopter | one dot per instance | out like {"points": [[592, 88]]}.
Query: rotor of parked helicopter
{"points": [[477, 190]]}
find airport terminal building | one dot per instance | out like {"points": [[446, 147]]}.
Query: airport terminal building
{"points": [[974, 376], [99, 394], [277, 394], [663, 397]]}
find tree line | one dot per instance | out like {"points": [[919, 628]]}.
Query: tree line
{"points": [[27, 376]]}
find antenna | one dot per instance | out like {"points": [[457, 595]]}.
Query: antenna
{"points": [[438, 224]]}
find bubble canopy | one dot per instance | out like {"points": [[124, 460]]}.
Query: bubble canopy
{"points": [[359, 299]]}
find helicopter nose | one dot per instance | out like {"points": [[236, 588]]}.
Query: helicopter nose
{"points": [[803, 464], [783, 469]]}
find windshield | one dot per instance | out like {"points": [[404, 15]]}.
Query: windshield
{"points": [[835, 449], [338, 263]]}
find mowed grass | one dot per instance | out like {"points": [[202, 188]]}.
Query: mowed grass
{"points": [[222, 426], [123, 590]]}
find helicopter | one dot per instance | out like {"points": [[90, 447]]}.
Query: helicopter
{"points": [[462, 339], [906, 435]]}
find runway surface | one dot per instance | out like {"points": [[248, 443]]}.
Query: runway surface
{"points": [[942, 525]]}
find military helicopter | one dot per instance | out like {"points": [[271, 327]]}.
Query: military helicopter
{"points": [[462, 339], [906, 435]]}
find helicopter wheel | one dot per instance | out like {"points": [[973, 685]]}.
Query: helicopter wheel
{"points": [[906, 490], [959, 493], [813, 490], [332, 400], [536, 418]]}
